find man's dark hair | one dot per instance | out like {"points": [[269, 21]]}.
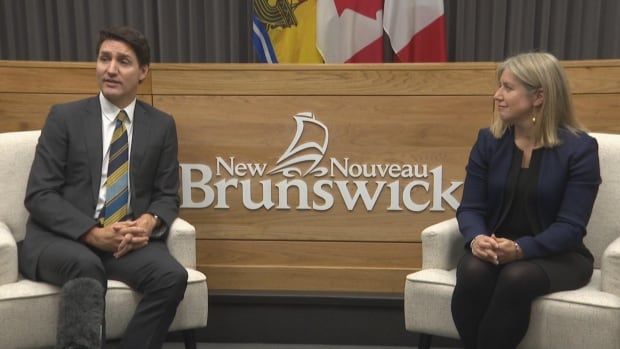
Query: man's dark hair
{"points": [[136, 40]]}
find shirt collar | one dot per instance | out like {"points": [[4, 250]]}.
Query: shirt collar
{"points": [[110, 111]]}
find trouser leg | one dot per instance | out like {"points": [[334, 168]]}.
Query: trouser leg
{"points": [[152, 271], [79, 271], [508, 315], [475, 282]]}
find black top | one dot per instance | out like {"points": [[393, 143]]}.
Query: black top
{"points": [[519, 208], [519, 217]]}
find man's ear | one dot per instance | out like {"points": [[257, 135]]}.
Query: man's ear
{"points": [[539, 97], [144, 70]]}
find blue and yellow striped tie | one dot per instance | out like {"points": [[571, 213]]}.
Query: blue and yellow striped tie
{"points": [[117, 188]]}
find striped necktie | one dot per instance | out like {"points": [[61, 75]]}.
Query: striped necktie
{"points": [[117, 189]]}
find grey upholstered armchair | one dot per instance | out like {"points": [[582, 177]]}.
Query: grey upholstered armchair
{"points": [[585, 318], [29, 310]]}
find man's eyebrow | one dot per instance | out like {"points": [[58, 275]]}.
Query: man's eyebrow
{"points": [[120, 55], [124, 55]]}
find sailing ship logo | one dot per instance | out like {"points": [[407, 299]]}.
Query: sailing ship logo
{"points": [[306, 153]]}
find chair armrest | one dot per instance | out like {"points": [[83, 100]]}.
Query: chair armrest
{"points": [[182, 242], [610, 268], [442, 245], [8, 256]]}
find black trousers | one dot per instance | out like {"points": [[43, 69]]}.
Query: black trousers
{"points": [[150, 270], [491, 304]]}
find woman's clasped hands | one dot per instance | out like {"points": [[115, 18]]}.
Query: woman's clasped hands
{"points": [[495, 250]]}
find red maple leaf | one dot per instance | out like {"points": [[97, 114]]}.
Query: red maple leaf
{"points": [[366, 7]]}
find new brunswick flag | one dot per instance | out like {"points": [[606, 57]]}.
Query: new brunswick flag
{"points": [[284, 31]]}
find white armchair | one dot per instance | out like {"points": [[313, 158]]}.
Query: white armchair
{"points": [[585, 318], [29, 309]]}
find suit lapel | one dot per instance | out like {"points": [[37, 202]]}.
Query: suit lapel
{"points": [[140, 134], [94, 143], [503, 158]]}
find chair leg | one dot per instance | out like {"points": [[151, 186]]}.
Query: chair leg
{"points": [[189, 338], [424, 341]]}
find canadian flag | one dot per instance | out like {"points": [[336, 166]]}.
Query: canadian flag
{"points": [[416, 29], [350, 31]]}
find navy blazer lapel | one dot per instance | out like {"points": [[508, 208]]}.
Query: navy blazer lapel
{"points": [[501, 167], [94, 142]]}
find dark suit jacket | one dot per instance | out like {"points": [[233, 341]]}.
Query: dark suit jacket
{"points": [[567, 186], [66, 174]]}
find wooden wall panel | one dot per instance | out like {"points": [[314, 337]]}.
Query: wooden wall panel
{"points": [[310, 253], [28, 111], [600, 113], [376, 114], [593, 79], [306, 279], [325, 80], [48, 80], [359, 79], [29, 89], [53, 77]]}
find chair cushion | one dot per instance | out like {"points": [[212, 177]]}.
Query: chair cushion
{"points": [[434, 276], [571, 316], [604, 222], [587, 295], [16, 154], [32, 308], [8, 256], [428, 295]]}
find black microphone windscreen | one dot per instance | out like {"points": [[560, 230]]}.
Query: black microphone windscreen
{"points": [[81, 314]]}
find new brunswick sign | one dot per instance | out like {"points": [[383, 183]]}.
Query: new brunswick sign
{"points": [[318, 180]]}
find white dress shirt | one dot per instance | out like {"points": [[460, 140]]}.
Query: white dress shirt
{"points": [[108, 122]]}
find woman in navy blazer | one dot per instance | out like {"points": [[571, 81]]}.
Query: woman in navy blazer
{"points": [[531, 182]]}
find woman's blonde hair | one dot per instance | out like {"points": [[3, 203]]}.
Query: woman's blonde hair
{"points": [[542, 71]]}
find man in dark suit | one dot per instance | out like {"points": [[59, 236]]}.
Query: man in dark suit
{"points": [[85, 148]]}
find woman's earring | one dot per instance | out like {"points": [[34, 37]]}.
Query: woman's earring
{"points": [[534, 120]]}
